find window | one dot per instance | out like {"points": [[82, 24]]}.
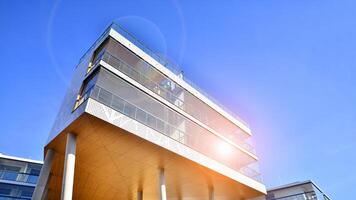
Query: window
{"points": [[98, 53], [141, 116], [129, 110], [88, 85], [9, 172], [4, 191], [33, 177], [118, 104], [26, 192], [105, 97], [151, 121], [160, 125]]}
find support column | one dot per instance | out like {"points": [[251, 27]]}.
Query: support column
{"points": [[139, 195], [69, 163], [211, 194], [162, 185], [41, 186]]}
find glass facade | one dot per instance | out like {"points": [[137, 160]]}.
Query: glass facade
{"points": [[136, 68], [17, 178]]}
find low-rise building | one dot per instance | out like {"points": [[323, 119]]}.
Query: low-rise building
{"points": [[18, 177], [306, 190]]}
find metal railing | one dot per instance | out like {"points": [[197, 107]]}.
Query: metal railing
{"points": [[168, 95], [302, 196], [101, 37], [171, 66], [163, 61], [18, 176], [193, 141], [12, 197]]}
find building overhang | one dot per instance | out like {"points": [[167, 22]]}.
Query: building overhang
{"points": [[123, 160]]}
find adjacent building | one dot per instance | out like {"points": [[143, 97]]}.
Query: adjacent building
{"points": [[306, 190], [18, 177], [132, 127]]}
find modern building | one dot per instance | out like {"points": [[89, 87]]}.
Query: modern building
{"points": [[18, 177], [306, 190], [132, 127]]}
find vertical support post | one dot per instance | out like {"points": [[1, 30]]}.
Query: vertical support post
{"points": [[211, 193], [140, 195], [43, 178], [69, 164], [162, 185]]}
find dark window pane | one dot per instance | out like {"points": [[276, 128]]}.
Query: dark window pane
{"points": [[5, 191], [27, 193], [35, 171]]}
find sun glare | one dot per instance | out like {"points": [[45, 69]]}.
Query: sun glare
{"points": [[224, 148]]}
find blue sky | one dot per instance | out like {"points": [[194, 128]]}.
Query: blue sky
{"points": [[286, 67]]}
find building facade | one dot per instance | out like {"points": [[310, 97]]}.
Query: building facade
{"points": [[18, 177], [306, 190], [132, 127]]}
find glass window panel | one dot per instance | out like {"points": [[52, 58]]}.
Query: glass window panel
{"points": [[129, 110], [4, 191], [35, 171], [160, 126], [32, 179], [105, 97], [141, 115], [151, 120], [94, 93], [117, 103], [9, 175], [26, 193]]}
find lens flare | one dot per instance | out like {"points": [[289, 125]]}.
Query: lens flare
{"points": [[224, 148]]}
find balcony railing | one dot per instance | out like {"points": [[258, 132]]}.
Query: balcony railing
{"points": [[192, 140], [18, 176], [12, 197], [302, 196], [169, 65], [167, 95]]}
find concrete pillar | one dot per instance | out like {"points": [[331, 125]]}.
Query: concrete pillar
{"points": [[211, 194], [69, 163], [162, 185], [40, 190], [139, 195]]}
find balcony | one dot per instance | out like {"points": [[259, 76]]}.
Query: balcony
{"points": [[18, 176], [190, 135], [302, 196], [155, 86], [169, 65], [15, 192]]}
